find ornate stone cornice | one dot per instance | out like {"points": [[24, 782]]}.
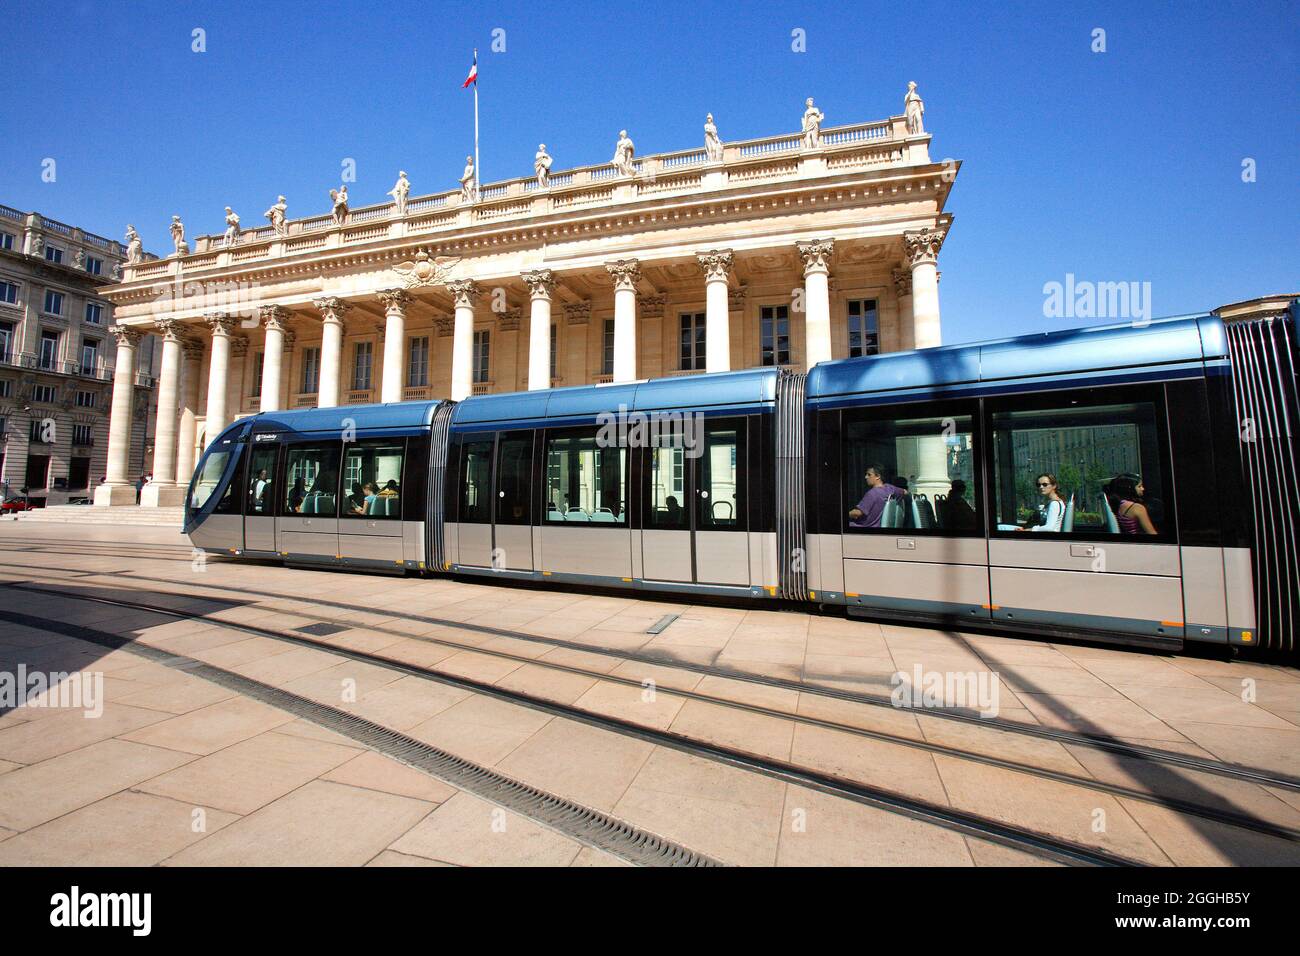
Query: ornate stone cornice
{"points": [[540, 282], [816, 254], [923, 246], [445, 324], [578, 313], [626, 273], [736, 298], [716, 264], [508, 321], [395, 301], [125, 336], [651, 306], [424, 270], [332, 308], [275, 317], [464, 292], [902, 282], [221, 323]]}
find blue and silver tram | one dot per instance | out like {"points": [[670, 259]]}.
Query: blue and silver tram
{"points": [[1009, 469]]}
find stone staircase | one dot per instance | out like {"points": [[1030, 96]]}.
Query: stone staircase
{"points": [[123, 515]]}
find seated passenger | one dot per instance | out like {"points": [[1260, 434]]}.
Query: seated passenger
{"points": [[389, 490], [372, 492], [1051, 513], [1124, 494], [674, 509], [956, 513], [357, 500], [296, 494], [869, 510]]}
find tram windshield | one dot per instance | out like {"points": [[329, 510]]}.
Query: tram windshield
{"points": [[209, 478]]}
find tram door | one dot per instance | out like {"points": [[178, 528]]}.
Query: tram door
{"points": [[261, 494], [494, 529], [307, 522], [695, 525], [370, 512]]}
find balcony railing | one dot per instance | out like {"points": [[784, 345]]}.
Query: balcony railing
{"points": [[360, 396]]}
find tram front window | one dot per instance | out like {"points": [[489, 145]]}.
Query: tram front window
{"points": [[208, 480]]}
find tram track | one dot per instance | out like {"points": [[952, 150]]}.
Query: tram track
{"points": [[1219, 815], [1043, 845], [1093, 741]]}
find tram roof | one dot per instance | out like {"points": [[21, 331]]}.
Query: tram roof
{"points": [[1043, 357], [360, 417]]}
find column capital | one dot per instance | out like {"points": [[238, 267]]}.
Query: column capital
{"points": [[289, 339], [463, 292], [171, 330], [239, 345], [395, 301], [651, 306], [126, 337], [902, 282], [736, 298], [625, 273], [923, 246], [332, 308], [540, 282], [221, 323], [192, 350], [816, 255], [274, 318], [445, 324], [716, 264], [578, 313], [508, 321]]}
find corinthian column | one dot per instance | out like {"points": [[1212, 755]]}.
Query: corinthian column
{"points": [[215, 419], [903, 290], [717, 309], [541, 284], [274, 318], [395, 303], [626, 274], [332, 312], [816, 256], [463, 292], [161, 490], [923, 256], [117, 489], [192, 366]]}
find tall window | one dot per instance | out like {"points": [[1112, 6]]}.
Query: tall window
{"points": [[85, 399], [83, 435], [53, 302], [94, 266], [585, 482], [362, 360], [89, 356], [49, 355], [94, 313], [864, 328], [481, 356], [310, 371], [692, 340], [6, 341], [417, 364], [774, 334], [607, 350], [53, 254], [8, 293], [555, 339], [45, 394], [258, 363], [6, 240]]}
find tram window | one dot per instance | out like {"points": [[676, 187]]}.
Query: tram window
{"points": [[514, 478], [910, 471], [311, 480], [372, 479], [261, 481], [476, 482], [214, 466], [668, 489], [1075, 469], [585, 481], [721, 502]]}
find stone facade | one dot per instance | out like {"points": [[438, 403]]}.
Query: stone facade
{"points": [[57, 354], [777, 251]]}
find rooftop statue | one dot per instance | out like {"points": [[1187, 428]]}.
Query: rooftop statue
{"points": [[712, 145], [542, 167], [339, 198], [177, 229], [623, 153], [467, 181], [914, 109], [232, 228], [278, 215], [401, 189], [134, 247], [812, 125]]}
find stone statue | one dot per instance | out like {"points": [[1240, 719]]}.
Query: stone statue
{"points": [[232, 228], [712, 145], [812, 126], [37, 244], [134, 247], [623, 152], [467, 181], [914, 109], [401, 189], [542, 167], [278, 215], [339, 197], [116, 271], [79, 259], [177, 229]]}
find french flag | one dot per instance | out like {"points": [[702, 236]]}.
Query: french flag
{"points": [[473, 73]]}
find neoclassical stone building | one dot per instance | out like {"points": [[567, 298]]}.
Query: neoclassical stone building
{"points": [[787, 250]]}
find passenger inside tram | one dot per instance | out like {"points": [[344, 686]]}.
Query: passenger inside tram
{"points": [[259, 491], [1124, 495], [868, 511], [296, 494], [674, 509], [955, 512], [357, 500]]}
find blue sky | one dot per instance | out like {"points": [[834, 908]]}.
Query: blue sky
{"points": [[1117, 166]]}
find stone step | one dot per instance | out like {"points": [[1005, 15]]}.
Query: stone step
{"points": [[89, 514]]}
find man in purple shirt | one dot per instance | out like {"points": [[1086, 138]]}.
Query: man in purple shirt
{"points": [[869, 510]]}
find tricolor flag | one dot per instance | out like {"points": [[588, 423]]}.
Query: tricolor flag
{"points": [[473, 73]]}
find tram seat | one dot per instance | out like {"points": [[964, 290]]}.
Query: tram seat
{"points": [[723, 517], [1067, 523], [308, 506], [1112, 523], [554, 514], [383, 507], [892, 516], [576, 514], [922, 512], [603, 514]]}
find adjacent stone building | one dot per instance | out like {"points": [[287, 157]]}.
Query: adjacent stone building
{"points": [[57, 352], [785, 250]]}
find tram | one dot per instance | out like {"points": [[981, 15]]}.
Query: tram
{"points": [[1130, 483]]}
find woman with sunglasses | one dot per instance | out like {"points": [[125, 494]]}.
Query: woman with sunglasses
{"points": [[1052, 510]]}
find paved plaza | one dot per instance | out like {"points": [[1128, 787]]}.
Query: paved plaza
{"points": [[178, 770]]}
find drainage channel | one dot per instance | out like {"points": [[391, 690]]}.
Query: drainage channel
{"points": [[969, 824], [586, 825]]}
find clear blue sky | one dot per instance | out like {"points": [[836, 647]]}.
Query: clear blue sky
{"points": [[1115, 166]]}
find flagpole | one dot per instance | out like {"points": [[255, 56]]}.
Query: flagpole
{"points": [[477, 177]]}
